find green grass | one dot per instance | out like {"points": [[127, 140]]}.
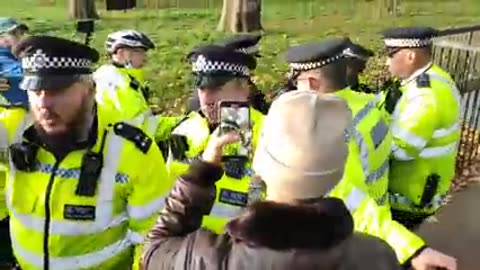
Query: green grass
{"points": [[183, 24]]}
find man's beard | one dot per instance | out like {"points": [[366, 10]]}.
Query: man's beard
{"points": [[76, 130]]}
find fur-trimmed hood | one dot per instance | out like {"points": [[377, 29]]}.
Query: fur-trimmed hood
{"points": [[282, 226]]}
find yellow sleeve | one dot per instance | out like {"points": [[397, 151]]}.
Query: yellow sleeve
{"points": [[377, 221], [146, 196]]}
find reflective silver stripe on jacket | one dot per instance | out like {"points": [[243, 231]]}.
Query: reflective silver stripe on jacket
{"points": [[378, 134]]}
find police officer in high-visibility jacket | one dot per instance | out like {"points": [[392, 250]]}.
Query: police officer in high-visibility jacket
{"points": [[84, 185], [322, 68], [370, 140], [425, 125], [121, 83], [220, 74]]}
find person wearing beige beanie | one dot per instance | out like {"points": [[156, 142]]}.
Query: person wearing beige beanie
{"points": [[284, 232]]}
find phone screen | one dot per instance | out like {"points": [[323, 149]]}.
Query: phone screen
{"points": [[236, 116]]}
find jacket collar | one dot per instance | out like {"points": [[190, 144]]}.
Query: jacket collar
{"points": [[279, 226], [417, 73]]}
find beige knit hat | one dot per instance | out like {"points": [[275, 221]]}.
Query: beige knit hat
{"points": [[302, 150]]}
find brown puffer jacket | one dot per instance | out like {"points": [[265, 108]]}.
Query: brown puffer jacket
{"points": [[268, 235]]}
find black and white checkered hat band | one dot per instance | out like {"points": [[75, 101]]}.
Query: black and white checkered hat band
{"points": [[206, 66], [407, 42], [313, 65], [40, 61], [249, 50]]}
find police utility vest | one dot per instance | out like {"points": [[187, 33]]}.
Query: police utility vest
{"points": [[369, 145], [426, 133], [89, 210], [187, 142]]}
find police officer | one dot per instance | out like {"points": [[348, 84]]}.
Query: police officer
{"points": [[247, 44], [322, 68], [357, 56], [84, 185], [425, 126], [220, 74], [14, 102], [121, 83]]}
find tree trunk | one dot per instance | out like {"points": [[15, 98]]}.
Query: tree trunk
{"points": [[82, 9], [241, 16]]}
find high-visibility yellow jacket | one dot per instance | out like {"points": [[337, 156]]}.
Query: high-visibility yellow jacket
{"points": [[426, 133], [369, 218], [232, 192], [54, 228], [16, 114], [121, 88], [369, 144]]}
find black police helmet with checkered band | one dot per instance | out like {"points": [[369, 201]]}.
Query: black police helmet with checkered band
{"points": [[357, 51], [316, 55], [52, 63], [244, 43], [215, 65], [409, 37]]}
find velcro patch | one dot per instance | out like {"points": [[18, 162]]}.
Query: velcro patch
{"points": [[233, 197], [79, 212]]}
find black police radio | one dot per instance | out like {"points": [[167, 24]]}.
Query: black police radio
{"points": [[24, 156]]}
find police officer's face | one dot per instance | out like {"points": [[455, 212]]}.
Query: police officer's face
{"points": [[399, 62], [210, 97], [136, 56], [57, 111]]}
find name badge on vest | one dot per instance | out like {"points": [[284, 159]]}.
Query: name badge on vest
{"points": [[79, 212], [233, 197], [234, 167]]}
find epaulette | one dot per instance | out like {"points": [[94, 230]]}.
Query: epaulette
{"points": [[133, 134], [134, 84], [423, 81]]}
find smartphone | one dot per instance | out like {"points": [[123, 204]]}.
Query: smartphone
{"points": [[235, 115], [85, 26]]}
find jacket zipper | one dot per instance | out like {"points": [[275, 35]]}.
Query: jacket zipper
{"points": [[46, 228]]}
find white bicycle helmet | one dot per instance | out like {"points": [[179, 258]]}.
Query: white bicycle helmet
{"points": [[128, 38]]}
